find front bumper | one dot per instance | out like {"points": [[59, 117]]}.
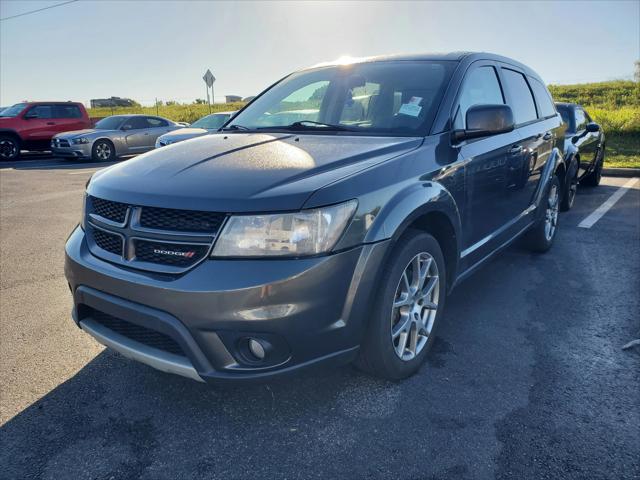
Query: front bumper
{"points": [[73, 151], [305, 311]]}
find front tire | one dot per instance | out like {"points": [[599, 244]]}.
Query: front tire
{"points": [[571, 188], [103, 151], [540, 237], [593, 179], [9, 148], [408, 306]]}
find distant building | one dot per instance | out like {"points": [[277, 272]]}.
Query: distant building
{"points": [[248, 99], [112, 102], [232, 98]]}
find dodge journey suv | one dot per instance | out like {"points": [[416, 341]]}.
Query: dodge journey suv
{"points": [[325, 223]]}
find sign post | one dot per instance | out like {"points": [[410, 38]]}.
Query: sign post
{"points": [[208, 80]]}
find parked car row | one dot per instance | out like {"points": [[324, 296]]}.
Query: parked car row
{"points": [[65, 129], [328, 220]]}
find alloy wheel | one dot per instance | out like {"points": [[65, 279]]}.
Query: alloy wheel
{"points": [[415, 306], [103, 151], [8, 149], [551, 214]]}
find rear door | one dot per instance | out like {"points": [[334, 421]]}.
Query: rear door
{"points": [[68, 117], [535, 145], [486, 158], [156, 126]]}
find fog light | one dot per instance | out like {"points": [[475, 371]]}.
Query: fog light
{"points": [[256, 349]]}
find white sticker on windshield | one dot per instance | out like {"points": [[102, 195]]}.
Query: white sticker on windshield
{"points": [[412, 108]]}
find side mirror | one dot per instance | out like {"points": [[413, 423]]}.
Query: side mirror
{"points": [[124, 128], [486, 120], [30, 115], [592, 127]]}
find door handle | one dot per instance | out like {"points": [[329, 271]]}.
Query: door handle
{"points": [[51, 123], [515, 150], [547, 136]]}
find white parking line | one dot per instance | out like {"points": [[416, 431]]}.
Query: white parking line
{"points": [[610, 202]]}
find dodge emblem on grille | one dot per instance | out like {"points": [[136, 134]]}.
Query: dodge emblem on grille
{"points": [[174, 253]]}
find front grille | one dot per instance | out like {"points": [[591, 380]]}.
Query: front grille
{"points": [[180, 220], [174, 254], [61, 142], [107, 241], [137, 333], [114, 211], [157, 239]]}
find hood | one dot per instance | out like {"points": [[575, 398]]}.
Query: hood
{"points": [[87, 132], [243, 172], [183, 134]]}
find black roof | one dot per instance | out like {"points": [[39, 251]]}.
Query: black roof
{"points": [[451, 56]]}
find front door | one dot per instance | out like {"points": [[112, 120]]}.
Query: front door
{"points": [[136, 134], [486, 161]]}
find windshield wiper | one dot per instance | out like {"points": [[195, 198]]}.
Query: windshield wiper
{"points": [[235, 126], [306, 124]]}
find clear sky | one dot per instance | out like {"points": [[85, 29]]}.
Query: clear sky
{"points": [[147, 49]]}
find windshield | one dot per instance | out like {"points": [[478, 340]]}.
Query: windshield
{"points": [[13, 111], [110, 123], [389, 98], [212, 122]]}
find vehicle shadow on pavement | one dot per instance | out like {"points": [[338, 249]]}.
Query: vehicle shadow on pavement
{"points": [[455, 419]]}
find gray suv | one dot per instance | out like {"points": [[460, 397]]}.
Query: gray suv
{"points": [[269, 247]]}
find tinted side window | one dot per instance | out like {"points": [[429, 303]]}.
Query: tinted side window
{"points": [[524, 108], [581, 120], [136, 123], [480, 87], [545, 104], [156, 122], [67, 111], [41, 111]]}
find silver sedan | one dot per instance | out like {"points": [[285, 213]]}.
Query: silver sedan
{"points": [[113, 137]]}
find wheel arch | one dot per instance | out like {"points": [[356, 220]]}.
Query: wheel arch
{"points": [[105, 139], [11, 133], [433, 211]]}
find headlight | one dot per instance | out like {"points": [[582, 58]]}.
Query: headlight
{"points": [[80, 140], [308, 232]]}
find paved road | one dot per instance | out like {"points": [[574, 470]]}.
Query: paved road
{"points": [[527, 378]]}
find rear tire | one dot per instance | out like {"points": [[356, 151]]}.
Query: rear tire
{"points": [[9, 148], [571, 188], [593, 179], [540, 237], [103, 151], [407, 308]]}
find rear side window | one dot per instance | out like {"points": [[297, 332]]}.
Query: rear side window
{"points": [[156, 122], [521, 100], [67, 111], [480, 87], [545, 104]]}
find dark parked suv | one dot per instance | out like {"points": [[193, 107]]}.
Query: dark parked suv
{"points": [[270, 247]]}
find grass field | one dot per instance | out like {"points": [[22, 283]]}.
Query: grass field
{"points": [[614, 105], [178, 113]]}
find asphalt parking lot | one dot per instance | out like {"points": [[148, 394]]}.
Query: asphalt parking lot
{"points": [[527, 378]]}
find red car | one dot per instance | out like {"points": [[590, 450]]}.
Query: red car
{"points": [[31, 125]]}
